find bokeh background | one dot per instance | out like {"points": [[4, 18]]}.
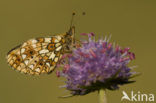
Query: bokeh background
{"points": [[132, 23]]}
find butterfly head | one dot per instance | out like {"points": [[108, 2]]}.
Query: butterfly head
{"points": [[70, 36]]}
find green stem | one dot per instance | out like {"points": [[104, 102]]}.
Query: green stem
{"points": [[102, 96]]}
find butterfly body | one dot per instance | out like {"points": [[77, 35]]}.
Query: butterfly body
{"points": [[40, 55]]}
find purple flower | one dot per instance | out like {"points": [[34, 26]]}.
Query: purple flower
{"points": [[97, 65]]}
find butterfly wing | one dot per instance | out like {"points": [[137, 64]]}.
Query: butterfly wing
{"points": [[37, 56]]}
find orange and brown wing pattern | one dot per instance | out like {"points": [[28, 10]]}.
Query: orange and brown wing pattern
{"points": [[37, 56]]}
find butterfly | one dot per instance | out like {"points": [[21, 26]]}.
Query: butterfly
{"points": [[41, 55]]}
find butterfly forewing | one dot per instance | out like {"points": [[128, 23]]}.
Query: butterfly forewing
{"points": [[37, 56]]}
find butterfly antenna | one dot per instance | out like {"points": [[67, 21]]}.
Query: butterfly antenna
{"points": [[72, 19]]}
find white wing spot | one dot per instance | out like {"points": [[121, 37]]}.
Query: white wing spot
{"points": [[58, 48], [34, 45], [58, 38], [56, 59], [24, 44], [48, 54], [22, 50], [52, 67], [48, 40], [34, 41], [37, 69], [9, 58], [60, 56], [43, 55], [44, 43], [58, 44], [23, 70], [48, 64], [43, 51], [18, 68], [52, 56], [56, 41], [26, 62], [11, 62], [24, 56], [31, 66]]}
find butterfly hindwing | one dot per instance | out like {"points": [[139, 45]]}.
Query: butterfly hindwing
{"points": [[37, 56]]}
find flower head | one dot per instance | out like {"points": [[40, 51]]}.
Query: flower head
{"points": [[97, 65]]}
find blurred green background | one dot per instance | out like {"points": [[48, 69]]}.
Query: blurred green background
{"points": [[132, 23]]}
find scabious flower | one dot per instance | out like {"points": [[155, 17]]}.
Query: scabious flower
{"points": [[97, 65]]}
